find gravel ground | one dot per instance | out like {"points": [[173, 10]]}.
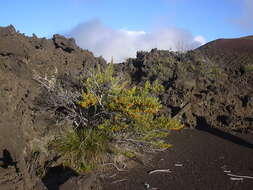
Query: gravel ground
{"points": [[199, 160]]}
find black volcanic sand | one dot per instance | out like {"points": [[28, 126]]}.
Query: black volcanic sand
{"points": [[204, 155]]}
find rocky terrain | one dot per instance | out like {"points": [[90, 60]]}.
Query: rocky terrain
{"points": [[213, 83], [23, 126], [210, 89]]}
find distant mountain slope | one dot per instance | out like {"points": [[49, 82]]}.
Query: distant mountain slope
{"points": [[248, 37], [236, 45]]}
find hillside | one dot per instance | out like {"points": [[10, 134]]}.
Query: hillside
{"points": [[209, 89], [236, 45], [210, 82], [23, 124]]}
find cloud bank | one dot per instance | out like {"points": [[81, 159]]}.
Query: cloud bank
{"points": [[122, 44]]}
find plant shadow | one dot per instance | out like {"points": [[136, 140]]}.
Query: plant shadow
{"points": [[8, 160], [202, 125], [57, 176]]}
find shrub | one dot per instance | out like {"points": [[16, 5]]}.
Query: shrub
{"points": [[247, 68], [111, 118], [83, 149]]}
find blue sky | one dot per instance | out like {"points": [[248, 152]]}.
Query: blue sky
{"points": [[211, 19]]}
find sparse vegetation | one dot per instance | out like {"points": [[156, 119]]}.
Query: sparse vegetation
{"points": [[111, 119], [247, 68]]}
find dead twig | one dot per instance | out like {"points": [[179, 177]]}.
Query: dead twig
{"points": [[120, 180], [240, 176], [160, 171], [236, 179], [119, 169]]}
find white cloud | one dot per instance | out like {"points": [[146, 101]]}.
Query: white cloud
{"points": [[200, 39], [121, 44]]}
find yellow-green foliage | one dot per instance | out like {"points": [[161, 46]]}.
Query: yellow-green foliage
{"points": [[248, 68], [83, 149], [88, 99], [119, 118]]}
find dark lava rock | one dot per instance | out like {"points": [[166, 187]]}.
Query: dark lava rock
{"points": [[67, 45], [207, 78], [22, 125]]}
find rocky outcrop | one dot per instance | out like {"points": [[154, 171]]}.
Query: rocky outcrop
{"points": [[208, 82], [22, 125]]}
